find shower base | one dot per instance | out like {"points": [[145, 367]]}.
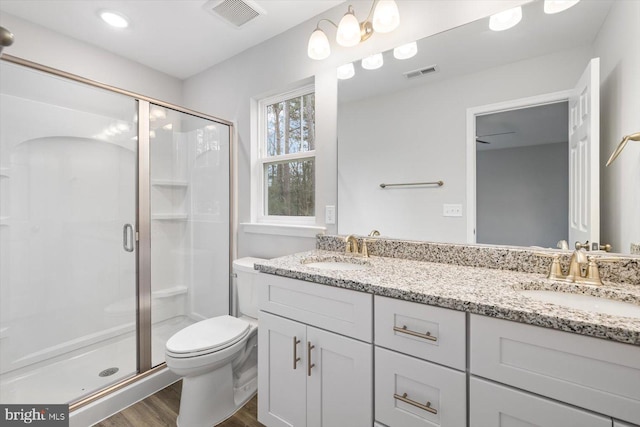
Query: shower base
{"points": [[72, 376]]}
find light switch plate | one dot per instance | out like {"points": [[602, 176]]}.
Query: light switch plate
{"points": [[451, 210], [329, 214]]}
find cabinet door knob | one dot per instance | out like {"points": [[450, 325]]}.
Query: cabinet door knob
{"points": [[296, 359], [309, 364]]}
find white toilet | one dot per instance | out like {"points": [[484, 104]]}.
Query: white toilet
{"points": [[217, 357]]}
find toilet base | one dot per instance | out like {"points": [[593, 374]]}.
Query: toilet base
{"points": [[207, 399]]}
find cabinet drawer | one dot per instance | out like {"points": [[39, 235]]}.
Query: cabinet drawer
{"points": [[433, 333], [338, 310], [593, 373], [444, 389], [495, 405]]}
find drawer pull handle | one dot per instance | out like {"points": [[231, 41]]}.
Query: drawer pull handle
{"points": [[296, 359], [426, 336], [427, 407], [309, 364]]}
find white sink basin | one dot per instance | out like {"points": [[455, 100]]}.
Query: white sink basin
{"points": [[585, 302], [337, 265]]}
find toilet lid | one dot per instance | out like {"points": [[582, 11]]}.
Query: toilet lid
{"points": [[210, 334]]}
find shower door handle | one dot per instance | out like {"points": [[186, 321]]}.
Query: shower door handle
{"points": [[127, 237]]}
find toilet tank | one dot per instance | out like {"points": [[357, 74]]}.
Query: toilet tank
{"points": [[244, 284]]}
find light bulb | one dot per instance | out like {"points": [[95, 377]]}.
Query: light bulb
{"points": [[348, 33], [505, 20], [386, 17], [372, 62], [346, 71], [556, 6], [406, 51], [318, 47], [114, 19]]}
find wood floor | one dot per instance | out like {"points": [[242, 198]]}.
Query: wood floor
{"points": [[161, 410]]}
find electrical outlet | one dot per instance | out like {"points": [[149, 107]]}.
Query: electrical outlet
{"points": [[329, 214], [451, 210]]}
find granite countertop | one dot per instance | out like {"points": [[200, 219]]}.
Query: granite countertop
{"points": [[489, 292]]}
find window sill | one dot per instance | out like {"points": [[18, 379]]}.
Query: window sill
{"points": [[309, 231]]}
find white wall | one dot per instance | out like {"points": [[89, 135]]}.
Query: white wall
{"points": [[46, 47], [522, 195], [226, 91], [423, 138], [618, 45]]}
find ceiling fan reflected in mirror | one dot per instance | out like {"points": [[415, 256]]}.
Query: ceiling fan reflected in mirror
{"points": [[480, 138]]}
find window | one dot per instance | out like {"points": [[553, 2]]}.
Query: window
{"points": [[286, 159]]}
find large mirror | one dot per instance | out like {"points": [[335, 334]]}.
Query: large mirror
{"points": [[488, 114]]}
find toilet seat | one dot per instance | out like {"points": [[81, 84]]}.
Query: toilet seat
{"points": [[207, 336]]}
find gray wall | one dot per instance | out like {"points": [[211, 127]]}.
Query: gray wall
{"points": [[522, 195]]}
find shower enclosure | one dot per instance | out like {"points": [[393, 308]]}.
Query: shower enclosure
{"points": [[114, 232]]}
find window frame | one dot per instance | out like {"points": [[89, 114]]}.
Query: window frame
{"points": [[262, 159]]}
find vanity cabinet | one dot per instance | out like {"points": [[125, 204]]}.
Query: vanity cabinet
{"points": [[312, 369], [410, 389], [591, 373]]}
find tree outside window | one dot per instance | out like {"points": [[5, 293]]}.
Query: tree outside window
{"points": [[288, 155]]}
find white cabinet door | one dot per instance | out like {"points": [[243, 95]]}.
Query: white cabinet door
{"points": [[282, 379], [339, 382], [491, 404]]}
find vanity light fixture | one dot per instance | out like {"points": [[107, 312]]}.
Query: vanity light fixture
{"points": [[114, 19], [505, 20], [557, 6], [346, 71], [372, 62], [406, 51], [383, 18]]}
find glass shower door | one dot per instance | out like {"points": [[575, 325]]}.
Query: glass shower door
{"points": [[189, 196], [68, 173]]}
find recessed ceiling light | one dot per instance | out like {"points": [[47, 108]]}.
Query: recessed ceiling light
{"points": [[114, 19]]}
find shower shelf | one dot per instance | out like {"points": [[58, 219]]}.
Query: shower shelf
{"points": [[4, 173], [169, 292], [4, 220], [170, 216], [169, 183]]}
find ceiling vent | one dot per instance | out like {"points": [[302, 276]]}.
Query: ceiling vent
{"points": [[421, 72], [235, 12]]}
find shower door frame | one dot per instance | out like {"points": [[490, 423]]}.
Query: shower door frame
{"points": [[143, 219]]}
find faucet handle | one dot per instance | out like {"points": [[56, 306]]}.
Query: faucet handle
{"points": [[555, 271], [374, 233], [593, 272]]}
